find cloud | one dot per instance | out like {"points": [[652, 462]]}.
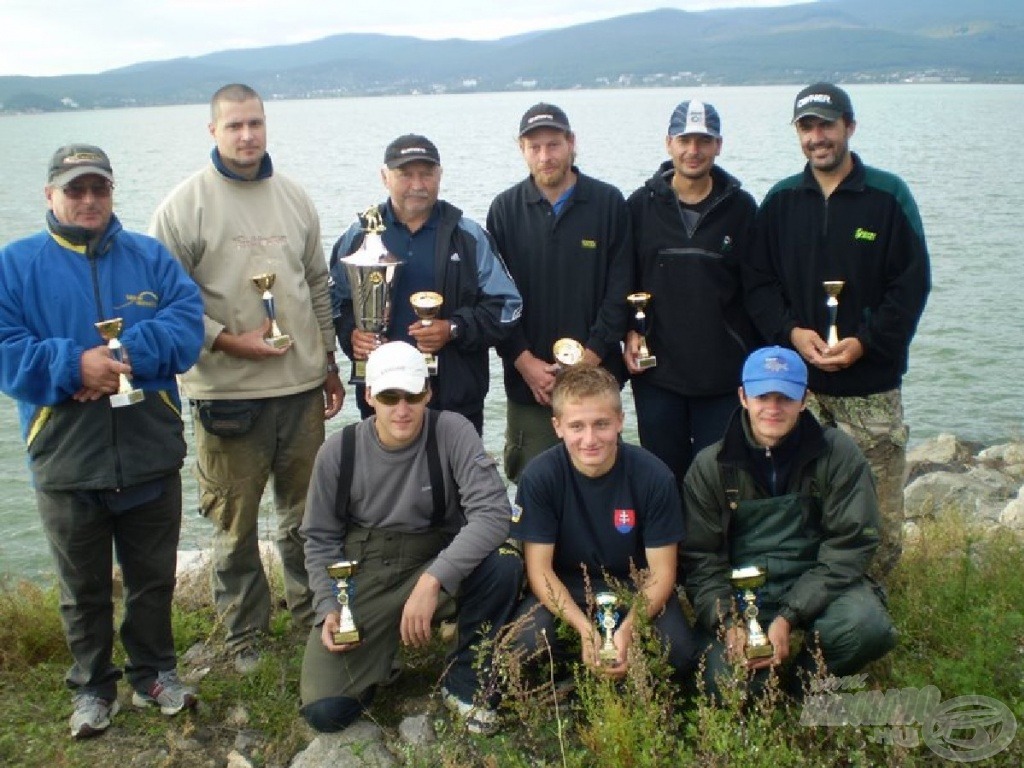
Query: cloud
{"points": [[51, 37]]}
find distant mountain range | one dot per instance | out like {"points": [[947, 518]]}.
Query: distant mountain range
{"points": [[842, 40]]}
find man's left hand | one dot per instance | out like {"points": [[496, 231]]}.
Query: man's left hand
{"points": [[430, 338], [844, 354], [334, 395], [419, 611]]}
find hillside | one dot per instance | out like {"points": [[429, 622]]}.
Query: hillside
{"points": [[845, 40]]}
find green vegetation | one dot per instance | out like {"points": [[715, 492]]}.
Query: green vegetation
{"points": [[958, 600]]}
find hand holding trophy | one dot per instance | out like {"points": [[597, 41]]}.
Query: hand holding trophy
{"points": [[111, 330], [264, 282], [748, 580], [567, 352], [341, 572], [427, 305], [833, 289], [639, 301], [608, 619]]}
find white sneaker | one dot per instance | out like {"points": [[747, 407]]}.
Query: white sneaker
{"points": [[92, 715], [481, 720], [168, 693]]}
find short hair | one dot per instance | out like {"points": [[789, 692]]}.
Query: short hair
{"points": [[236, 92], [582, 380]]}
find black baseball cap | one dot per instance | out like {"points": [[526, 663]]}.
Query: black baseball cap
{"points": [[543, 116], [410, 148], [824, 100], [74, 160]]}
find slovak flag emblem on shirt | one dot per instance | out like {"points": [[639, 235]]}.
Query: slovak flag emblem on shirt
{"points": [[625, 520]]}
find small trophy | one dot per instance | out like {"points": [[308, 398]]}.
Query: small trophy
{"points": [[372, 274], [265, 282], [607, 622], [341, 572], [639, 301], [110, 330], [567, 352], [426, 305], [748, 580], [832, 288]]}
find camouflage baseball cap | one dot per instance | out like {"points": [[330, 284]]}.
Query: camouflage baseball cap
{"points": [[74, 160]]}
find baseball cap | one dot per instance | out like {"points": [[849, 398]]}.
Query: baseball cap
{"points": [[74, 160], [775, 369], [396, 365], [543, 116], [695, 117], [410, 148], [824, 100]]}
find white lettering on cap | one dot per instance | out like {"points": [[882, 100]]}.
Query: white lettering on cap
{"points": [[407, 150], [775, 364], [814, 98], [535, 118]]}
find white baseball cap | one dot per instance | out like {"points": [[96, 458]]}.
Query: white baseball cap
{"points": [[396, 365]]}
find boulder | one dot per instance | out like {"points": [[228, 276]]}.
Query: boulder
{"points": [[981, 492], [942, 453], [1006, 457], [1012, 516], [358, 746]]}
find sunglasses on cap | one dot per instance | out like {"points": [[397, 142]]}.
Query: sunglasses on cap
{"points": [[78, 190], [393, 396]]}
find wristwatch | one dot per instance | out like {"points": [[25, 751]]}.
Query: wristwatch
{"points": [[332, 367], [453, 329]]}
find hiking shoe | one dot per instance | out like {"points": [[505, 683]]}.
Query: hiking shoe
{"points": [[480, 720], [168, 693], [92, 715], [247, 660]]}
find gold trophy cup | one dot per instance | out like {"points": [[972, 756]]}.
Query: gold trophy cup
{"points": [[372, 274], [607, 622], [567, 352], [833, 289], [264, 282], [110, 330], [639, 301], [748, 580], [426, 305], [341, 572]]}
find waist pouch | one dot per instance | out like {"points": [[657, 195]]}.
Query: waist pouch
{"points": [[228, 418]]}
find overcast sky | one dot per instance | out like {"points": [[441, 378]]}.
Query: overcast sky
{"points": [[57, 37]]}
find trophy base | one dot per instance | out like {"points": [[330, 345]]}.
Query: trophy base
{"points": [[431, 362], [760, 651], [345, 636], [131, 397], [643, 363], [279, 342], [609, 656], [358, 372]]}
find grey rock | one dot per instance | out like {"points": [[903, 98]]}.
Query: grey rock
{"points": [[1012, 516], [358, 746], [150, 757], [248, 742], [238, 760], [417, 731], [981, 493], [237, 717]]}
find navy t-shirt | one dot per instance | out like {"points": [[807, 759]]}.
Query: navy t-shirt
{"points": [[600, 523]]}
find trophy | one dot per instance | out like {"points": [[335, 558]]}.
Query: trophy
{"points": [[607, 622], [832, 288], [639, 301], [748, 580], [110, 330], [341, 572], [567, 352], [426, 305], [265, 282], [372, 276]]}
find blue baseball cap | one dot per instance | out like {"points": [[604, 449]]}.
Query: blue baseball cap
{"points": [[775, 369], [695, 117]]}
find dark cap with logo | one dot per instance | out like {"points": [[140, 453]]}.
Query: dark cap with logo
{"points": [[74, 160], [409, 149], [824, 100], [543, 116], [695, 117]]}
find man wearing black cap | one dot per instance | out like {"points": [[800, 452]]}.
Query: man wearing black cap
{"points": [[258, 405], [692, 228], [105, 450], [445, 252], [566, 239], [843, 221]]}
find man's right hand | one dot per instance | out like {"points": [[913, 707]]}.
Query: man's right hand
{"points": [[251, 345], [631, 351], [364, 342], [330, 626], [538, 375], [812, 348], [101, 374]]}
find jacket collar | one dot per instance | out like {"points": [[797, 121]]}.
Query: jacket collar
{"points": [[580, 192], [660, 184], [82, 240], [737, 443], [855, 180], [265, 172]]}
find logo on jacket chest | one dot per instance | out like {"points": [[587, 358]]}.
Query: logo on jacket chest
{"points": [[624, 520]]}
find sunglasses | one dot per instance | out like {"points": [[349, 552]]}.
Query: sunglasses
{"points": [[393, 396], [99, 190]]}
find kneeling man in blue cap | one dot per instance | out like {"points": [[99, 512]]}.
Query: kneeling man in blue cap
{"points": [[783, 495]]}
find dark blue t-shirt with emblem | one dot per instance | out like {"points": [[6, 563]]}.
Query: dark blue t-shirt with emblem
{"points": [[599, 523]]}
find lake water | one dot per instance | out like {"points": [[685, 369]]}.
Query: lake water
{"points": [[956, 146]]}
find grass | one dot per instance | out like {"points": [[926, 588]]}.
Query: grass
{"points": [[957, 599]]}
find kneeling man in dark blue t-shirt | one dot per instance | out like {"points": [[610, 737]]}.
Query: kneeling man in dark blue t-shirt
{"points": [[594, 505]]}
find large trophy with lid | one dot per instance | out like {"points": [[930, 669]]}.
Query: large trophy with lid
{"points": [[372, 276]]}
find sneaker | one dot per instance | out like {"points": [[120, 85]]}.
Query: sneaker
{"points": [[168, 693], [247, 660], [480, 720], [92, 715]]}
